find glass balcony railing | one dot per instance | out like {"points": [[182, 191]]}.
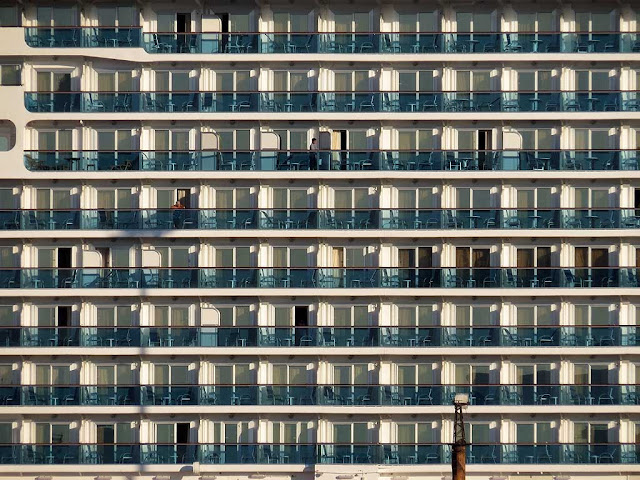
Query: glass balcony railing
{"points": [[229, 395], [51, 395], [330, 219], [237, 42], [110, 336], [333, 42], [154, 102], [547, 453], [536, 101], [347, 395], [53, 37], [328, 453], [289, 42], [169, 395], [338, 160], [110, 395], [288, 394], [472, 42], [328, 101], [600, 335], [51, 336], [310, 219], [319, 394], [201, 42], [323, 277], [84, 37]]}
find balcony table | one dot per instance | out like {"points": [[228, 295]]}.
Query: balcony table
{"points": [[465, 162], [463, 105], [592, 220], [349, 400], [350, 224], [73, 163], [535, 104], [592, 104], [536, 45], [526, 342], [591, 160], [546, 162], [534, 220], [289, 224], [472, 45]]}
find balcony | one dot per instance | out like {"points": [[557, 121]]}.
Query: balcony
{"points": [[169, 395], [50, 395], [51, 336], [323, 277], [327, 101], [335, 453], [202, 42], [408, 454], [317, 394], [288, 394], [83, 37], [333, 42], [111, 395], [311, 219], [328, 336], [110, 336], [371, 160]]}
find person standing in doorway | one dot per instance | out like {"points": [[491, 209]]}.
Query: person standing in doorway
{"points": [[313, 154]]}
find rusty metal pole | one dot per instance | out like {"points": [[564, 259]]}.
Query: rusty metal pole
{"points": [[459, 446]]}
